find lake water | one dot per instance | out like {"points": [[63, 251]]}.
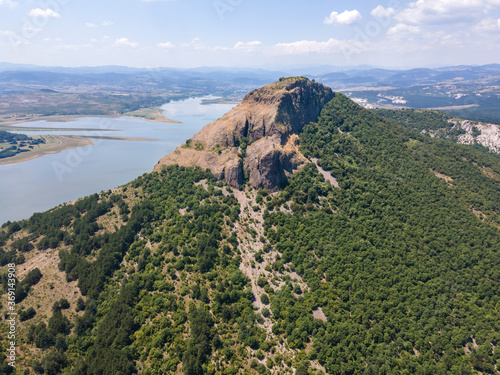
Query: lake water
{"points": [[43, 183]]}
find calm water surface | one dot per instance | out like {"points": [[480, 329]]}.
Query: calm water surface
{"points": [[41, 184]]}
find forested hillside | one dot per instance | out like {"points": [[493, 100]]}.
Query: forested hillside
{"points": [[394, 271], [481, 136]]}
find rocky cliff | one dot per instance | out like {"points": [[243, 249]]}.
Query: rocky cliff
{"points": [[487, 135], [257, 140]]}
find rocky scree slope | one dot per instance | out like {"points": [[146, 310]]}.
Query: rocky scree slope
{"points": [[257, 140]]}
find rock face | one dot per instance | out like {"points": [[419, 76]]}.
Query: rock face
{"points": [[487, 135], [257, 140]]}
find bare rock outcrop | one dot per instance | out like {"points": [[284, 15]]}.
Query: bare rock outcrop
{"points": [[257, 140], [487, 135]]}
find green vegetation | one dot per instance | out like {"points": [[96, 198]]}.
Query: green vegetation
{"points": [[434, 123], [403, 256], [418, 119], [486, 111], [12, 144], [439, 124], [403, 260], [128, 282]]}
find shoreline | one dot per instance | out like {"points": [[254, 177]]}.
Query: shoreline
{"points": [[60, 143], [61, 118], [152, 114], [158, 118], [111, 138], [55, 145]]}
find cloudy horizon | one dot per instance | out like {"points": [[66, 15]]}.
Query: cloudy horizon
{"points": [[233, 33]]}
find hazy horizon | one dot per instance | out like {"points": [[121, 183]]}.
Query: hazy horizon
{"points": [[276, 68]]}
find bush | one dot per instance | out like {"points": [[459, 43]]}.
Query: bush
{"points": [[264, 298], [80, 304], [27, 315], [259, 354], [64, 304], [33, 277]]}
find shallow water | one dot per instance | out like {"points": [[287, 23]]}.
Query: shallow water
{"points": [[43, 183]]}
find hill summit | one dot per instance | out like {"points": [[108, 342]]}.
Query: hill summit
{"points": [[257, 141]]}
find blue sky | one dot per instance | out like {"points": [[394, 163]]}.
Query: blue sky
{"points": [[250, 33]]}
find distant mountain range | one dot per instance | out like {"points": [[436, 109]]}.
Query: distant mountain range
{"points": [[322, 73]]}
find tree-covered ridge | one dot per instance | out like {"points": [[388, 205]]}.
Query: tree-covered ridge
{"points": [[481, 136], [418, 119], [405, 273]]}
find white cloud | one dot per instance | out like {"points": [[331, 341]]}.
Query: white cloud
{"points": [[92, 25], [6, 32], [347, 17], [381, 12], [492, 4], [166, 45], [124, 42], [248, 46], [437, 11], [402, 29], [106, 23], [308, 46], [488, 24], [47, 13], [8, 3]]}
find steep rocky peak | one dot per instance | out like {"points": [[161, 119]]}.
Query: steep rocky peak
{"points": [[269, 118], [280, 108]]}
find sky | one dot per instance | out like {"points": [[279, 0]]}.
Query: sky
{"points": [[250, 33]]}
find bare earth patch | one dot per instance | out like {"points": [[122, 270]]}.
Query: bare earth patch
{"points": [[448, 179], [489, 172], [327, 175], [51, 288], [319, 314], [479, 214]]}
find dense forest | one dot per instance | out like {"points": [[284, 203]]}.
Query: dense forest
{"points": [[417, 119], [395, 271]]}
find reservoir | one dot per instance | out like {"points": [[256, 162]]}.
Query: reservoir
{"points": [[43, 183]]}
